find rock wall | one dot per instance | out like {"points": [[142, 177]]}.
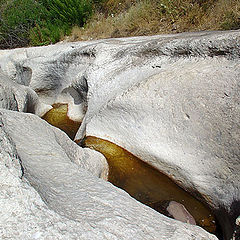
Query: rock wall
{"points": [[171, 100]]}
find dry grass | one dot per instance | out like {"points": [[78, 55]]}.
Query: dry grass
{"points": [[121, 18]]}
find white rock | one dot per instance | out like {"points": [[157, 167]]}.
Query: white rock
{"points": [[182, 122], [172, 100], [16, 97], [89, 207], [174, 103]]}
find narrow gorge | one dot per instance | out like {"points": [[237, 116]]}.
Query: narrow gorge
{"points": [[91, 130]]}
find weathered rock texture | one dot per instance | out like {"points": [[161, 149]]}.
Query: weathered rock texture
{"points": [[16, 97], [56, 167], [171, 100], [23, 214]]}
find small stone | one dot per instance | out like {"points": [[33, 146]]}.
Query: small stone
{"points": [[238, 221], [179, 212]]}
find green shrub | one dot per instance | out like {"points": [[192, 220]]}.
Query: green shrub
{"points": [[48, 33], [72, 12], [17, 17], [40, 22]]}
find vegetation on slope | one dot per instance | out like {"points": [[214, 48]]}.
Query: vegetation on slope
{"points": [[122, 18], [40, 22]]}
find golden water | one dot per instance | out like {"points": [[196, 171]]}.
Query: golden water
{"points": [[138, 178], [57, 117], [147, 184]]}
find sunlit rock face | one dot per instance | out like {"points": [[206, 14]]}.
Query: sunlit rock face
{"points": [[174, 103], [24, 214], [55, 74], [16, 97], [171, 101], [75, 203]]}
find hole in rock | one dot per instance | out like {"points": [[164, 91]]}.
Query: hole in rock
{"points": [[58, 117], [151, 187]]}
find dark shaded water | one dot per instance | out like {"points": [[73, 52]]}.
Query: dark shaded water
{"points": [[147, 184]]}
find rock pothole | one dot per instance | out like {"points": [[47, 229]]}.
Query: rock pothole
{"points": [[151, 187], [142, 181], [58, 117]]}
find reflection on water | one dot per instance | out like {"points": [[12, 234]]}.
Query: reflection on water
{"points": [[147, 184], [57, 117]]}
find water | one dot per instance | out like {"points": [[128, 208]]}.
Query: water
{"points": [[57, 117], [147, 184], [139, 179]]}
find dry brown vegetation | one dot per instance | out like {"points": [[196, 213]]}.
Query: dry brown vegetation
{"points": [[122, 18]]}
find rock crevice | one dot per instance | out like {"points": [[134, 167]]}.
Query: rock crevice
{"points": [[171, 100]]}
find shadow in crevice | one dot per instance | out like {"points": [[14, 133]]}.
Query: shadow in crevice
{"points": [[227, 220]]}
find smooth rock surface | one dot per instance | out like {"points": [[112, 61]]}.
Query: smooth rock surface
{"points": [[185, 122], [89, 207], [174, 102], [171, 100], [23, 214]]}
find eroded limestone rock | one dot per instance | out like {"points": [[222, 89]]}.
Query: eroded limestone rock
{"points": [[16, 97], [174, 103], [171, 100], [88, 207], [24, 216]]}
